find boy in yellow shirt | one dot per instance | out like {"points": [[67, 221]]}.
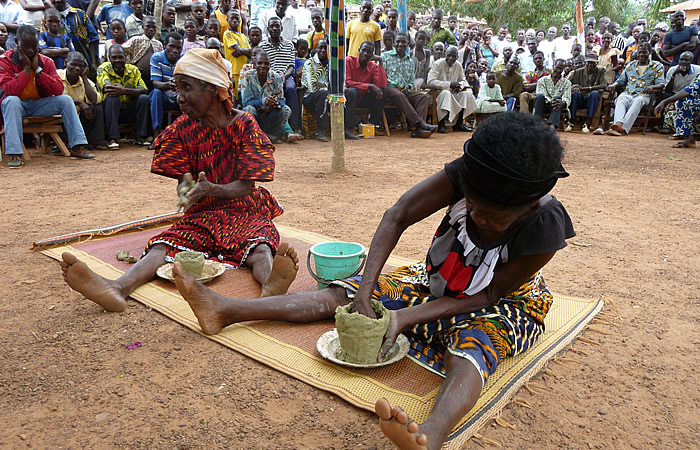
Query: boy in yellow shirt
{"points": [[236, 46]]}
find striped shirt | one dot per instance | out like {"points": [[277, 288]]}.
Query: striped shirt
{"points": [[314, 72], [281, 56], [161, 68]]}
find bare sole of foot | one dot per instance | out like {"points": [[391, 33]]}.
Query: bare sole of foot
{"points": [[100, 290], [396, 426], [202, 300], [285, 266]]}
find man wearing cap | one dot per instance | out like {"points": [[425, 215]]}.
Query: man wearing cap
{"points": [[586, 86]]}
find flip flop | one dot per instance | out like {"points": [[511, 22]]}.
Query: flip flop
{"points": [[684, 144]]}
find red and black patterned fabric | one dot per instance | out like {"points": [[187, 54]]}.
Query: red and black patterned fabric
{"points": [[222, 229]]}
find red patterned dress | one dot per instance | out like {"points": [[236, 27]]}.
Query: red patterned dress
{"points": [[222, 229]]}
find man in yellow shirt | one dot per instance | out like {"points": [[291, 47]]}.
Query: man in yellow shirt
{"points": [[87, 99], [363, 29]]}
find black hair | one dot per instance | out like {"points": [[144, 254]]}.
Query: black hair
{"points": [[301, 42], [26, 31], [523, 142], [367, 42], [422, 32], [190, 19], [540, 52], [646, 45], [172, 35], [390, 34], [254, 27], [393, 10], [645, 33], [400, 33], [119, 21], [75, 55], [48, 12], [452, 17]]}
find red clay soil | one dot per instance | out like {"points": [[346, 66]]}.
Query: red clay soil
{"points": [[68, 381]]}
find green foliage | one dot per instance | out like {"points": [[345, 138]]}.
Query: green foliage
{"points": [[540, 13]]}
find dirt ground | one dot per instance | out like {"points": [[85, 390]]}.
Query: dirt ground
{"points": [[68, 381]]}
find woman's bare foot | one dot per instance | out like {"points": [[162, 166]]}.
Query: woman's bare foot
{"points": [[284, 270], [396, 425], [104, 292], [203, 301]]}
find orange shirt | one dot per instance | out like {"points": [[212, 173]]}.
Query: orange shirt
{"points": [[30, 92]]}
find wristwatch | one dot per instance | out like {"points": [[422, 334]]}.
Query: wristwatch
{"points": [[38, 71]]}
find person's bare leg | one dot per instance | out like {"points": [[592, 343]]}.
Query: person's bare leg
{"points": [[111, 294], [214, 312], [457, 396], [275, 275]]}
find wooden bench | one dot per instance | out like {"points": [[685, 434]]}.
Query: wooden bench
{"points": [[47, 127]]}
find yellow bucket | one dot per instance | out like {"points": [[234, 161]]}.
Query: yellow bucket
{"points": [[367, 130]]}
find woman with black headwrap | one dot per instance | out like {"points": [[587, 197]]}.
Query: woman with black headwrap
{"points": [[478, 297]]}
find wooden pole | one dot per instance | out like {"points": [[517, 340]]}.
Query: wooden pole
{"points": [[338, 136], [158, 15]]}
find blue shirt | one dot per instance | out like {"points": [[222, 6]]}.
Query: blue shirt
{"points": [[110, 12], [675, 38], [162, 69], [61, 41]]}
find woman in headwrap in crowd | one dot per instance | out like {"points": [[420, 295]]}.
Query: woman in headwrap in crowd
{"points": [[227, 217], [479, 295]]}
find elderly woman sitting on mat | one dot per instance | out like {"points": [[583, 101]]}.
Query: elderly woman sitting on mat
{"points": [[478, 297], [227, 217]]}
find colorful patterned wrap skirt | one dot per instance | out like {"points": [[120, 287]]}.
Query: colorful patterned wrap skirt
{"points": [[226, 234], [508, 328]]}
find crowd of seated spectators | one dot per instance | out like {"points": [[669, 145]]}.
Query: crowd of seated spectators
{"points": [[115, 67]]}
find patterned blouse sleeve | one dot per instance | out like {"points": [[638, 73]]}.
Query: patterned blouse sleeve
{"points": [[255, 159], [170, 158]]}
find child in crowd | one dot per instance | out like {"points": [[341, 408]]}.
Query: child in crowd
{"points": [[576, 50], [236, 45], [254, 36], [3, 38], [302, 53], [117, 10], [168, 22], [140, 48], [473, 77], [482, 69], [134, 23], [490, 99], [568, 67], [318, 32], [214, 29], [52, 43], [199, 13], [388, 40], [117, 29], [192, 40], [422, 58]]}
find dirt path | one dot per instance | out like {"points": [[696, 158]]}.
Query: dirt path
{"points": [[67, 379]]}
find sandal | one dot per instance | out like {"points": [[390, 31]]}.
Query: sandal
{"points": [[684, 144], [675, 137]]}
